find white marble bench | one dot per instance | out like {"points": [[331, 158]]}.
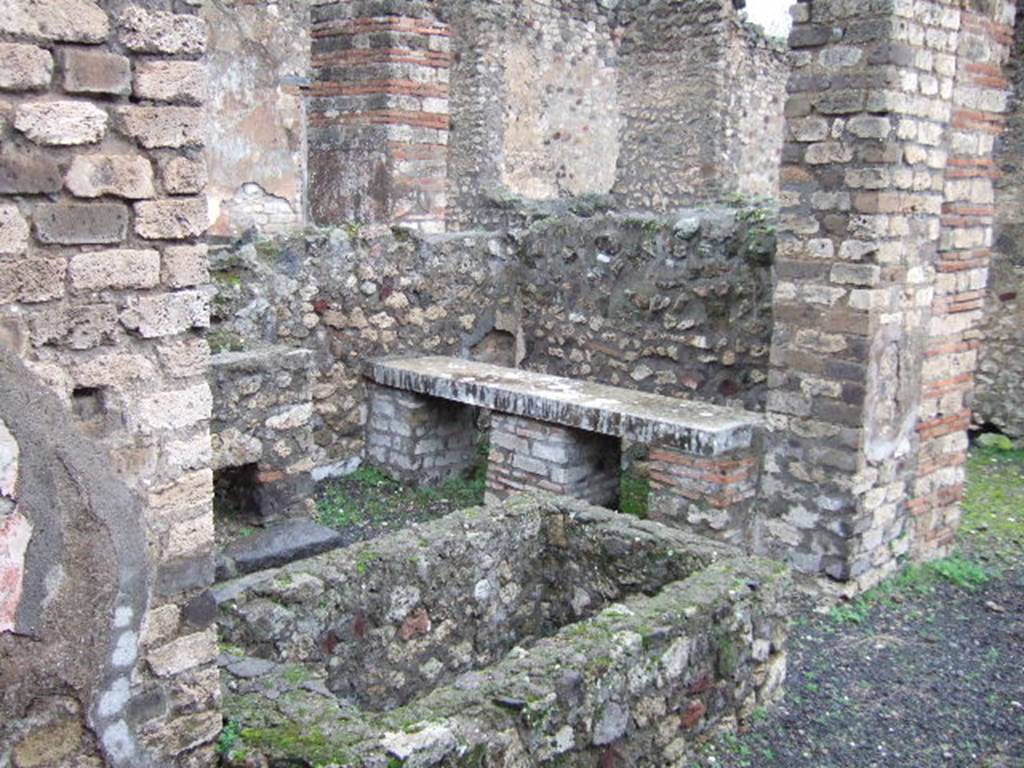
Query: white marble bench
{"points": [[560, 435]]}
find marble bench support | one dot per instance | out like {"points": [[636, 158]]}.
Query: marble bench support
{"points": [[711, 496], [419, 439], [527, 454]]}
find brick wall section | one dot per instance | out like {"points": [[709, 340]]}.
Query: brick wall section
{"points": [[102, 276], [954, 335], [862, 192], [708, 495], [378, 114], [532, 455], [418, 439]]}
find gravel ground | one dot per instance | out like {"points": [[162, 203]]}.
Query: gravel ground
{"points": [[922, 673]]}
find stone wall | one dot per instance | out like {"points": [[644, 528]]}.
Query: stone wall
{"points": [[258, 60], [534, 101], [999, 399], [537, 631], [677, 305], [701, 97], [102, 295]]}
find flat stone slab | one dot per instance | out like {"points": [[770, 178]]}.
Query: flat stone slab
{"points": [[275, 546], [691, 426]]}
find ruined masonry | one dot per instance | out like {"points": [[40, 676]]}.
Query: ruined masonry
{"points": [[250, 246]]}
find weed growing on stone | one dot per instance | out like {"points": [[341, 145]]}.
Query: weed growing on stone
{"points": [[228, 741], [634, 493]]}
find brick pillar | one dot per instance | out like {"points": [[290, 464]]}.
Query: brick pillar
{"points": [[979, 100], [378, 114], [708, 495], [534, 455], [862, 191], [419, 439]]}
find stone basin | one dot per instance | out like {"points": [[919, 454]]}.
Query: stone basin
{"points": [[541, 630]]}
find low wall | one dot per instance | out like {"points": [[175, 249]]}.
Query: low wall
{"points": [[648, 638], [676, 304]]}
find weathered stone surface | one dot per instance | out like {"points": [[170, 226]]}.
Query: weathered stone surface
{"points": [[81, 223], [13, 230], [121, 268], [153, 31], [185, 266], [680, 628], [96, 72], [128, 176], [278, 545], [78, 21], [174, 409], [184, 653], [696, 427], [183, 82], [32, 278], [24, 67], [185, 176], [61, 123], [51, 744], [156, 127], [168, 314], [28, 171], [171, 219]]}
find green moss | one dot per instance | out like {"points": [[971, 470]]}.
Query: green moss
{"points": [[296, 674], [728, 656], [363, 561], [224, 341], [294, 739]]}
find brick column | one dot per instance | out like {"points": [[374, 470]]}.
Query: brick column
{"points": [[419, 439], [951, 355], [103, 295], [708, 495], [378, 114], [534, 455], [862, 191]]}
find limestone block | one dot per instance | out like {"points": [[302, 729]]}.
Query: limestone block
{"points": [[185, 266], [61, 123], [161, 32], [28, 172], [96, 72], [73, 21], [174, 409], [81, 223], [113, 369], [171, 219], [33, 278], [127, 176], [184, 82], [155, 127], [168, 314], [182, 359], [191, 537], [184, 176], [120, 268], [24, 67], [13, 230], [184, 653]]}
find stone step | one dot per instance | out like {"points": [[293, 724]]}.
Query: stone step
{"points": [[275, 546]]}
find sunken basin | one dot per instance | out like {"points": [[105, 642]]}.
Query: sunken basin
{"points": [[537, 631]]}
